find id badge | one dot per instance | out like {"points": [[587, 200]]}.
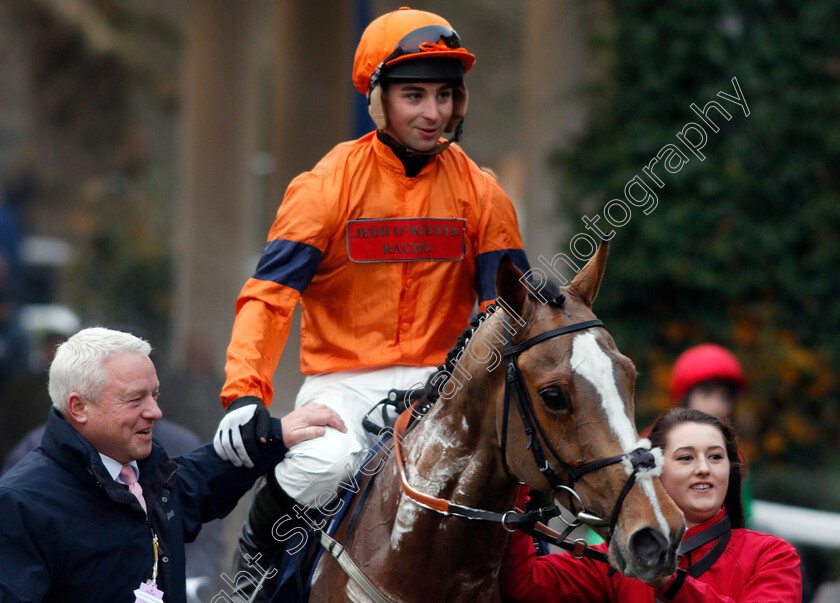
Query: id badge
{"points": [[148, 593]]}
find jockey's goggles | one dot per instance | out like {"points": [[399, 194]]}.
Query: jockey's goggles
{"points": [[424, 39]]}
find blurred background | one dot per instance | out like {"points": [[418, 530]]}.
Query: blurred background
{"points": [[145, 146]]}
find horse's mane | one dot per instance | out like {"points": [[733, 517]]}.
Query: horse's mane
{"points": [[436, 380], [549, 291]]}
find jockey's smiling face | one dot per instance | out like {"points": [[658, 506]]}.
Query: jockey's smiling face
{"points": [[418, 112]]}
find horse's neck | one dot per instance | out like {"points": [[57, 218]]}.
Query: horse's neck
{"points": [[444, 454], [451, 455]]}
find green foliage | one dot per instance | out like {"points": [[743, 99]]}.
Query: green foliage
{"points": [[742, 248], [121, 276]]}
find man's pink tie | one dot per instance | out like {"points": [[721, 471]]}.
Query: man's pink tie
{"points": [[127, 475]]}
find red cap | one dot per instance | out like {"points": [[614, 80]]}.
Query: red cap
{"points": [[702, 363]]}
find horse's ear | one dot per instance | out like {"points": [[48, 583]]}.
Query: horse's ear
{"points": [[586, 283], [509, 287]]}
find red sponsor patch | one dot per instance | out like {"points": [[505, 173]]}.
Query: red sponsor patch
{"points": [[405, 239]]}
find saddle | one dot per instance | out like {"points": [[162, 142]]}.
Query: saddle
{"points": [[390, 408]]}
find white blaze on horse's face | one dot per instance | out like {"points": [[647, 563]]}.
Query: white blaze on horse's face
{"points": [[592, 363]]}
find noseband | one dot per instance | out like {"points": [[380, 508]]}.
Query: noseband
{"points": [[640, 458]]}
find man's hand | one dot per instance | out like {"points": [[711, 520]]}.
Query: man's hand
{"points": [[241, 429], [309, 422]]}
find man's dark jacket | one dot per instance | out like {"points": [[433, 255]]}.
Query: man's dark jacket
{"points": [[68, 532]]}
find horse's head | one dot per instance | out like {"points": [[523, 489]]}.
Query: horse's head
{"points": [[572, 390]]}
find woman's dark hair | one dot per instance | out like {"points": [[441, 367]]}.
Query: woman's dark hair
{"points": [[677, 416]]}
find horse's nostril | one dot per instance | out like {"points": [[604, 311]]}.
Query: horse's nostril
{"points": [[649, 546]]}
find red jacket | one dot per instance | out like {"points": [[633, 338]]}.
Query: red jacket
{"points": [[387, 268], [754, 567]]}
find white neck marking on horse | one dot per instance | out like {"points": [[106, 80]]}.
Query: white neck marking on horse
{"points": [[440, 436], [404, 521], [590, 362]]}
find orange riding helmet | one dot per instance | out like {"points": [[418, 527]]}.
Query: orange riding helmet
{"points": [[704, 363], [400, 37]]}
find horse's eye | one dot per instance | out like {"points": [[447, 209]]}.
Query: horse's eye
{"points": [[556, 398]]}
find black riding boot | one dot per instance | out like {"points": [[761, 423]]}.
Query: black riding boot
{"points": [[259, 553]]}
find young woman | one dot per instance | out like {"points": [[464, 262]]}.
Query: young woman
{"points": [[720, 561]]}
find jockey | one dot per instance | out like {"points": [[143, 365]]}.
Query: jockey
{"points": [[388, 243]]}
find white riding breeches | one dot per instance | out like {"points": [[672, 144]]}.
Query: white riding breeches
{"points": [[312, 470]]}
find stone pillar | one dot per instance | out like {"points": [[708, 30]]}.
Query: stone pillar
{"points": [[312, 85], [216, 202], [556, 65]]}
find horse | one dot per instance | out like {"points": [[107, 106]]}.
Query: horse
{"points": [[420, 535]]}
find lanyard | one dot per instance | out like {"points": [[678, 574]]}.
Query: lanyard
{"points": [[148, 591], [155, 546]]}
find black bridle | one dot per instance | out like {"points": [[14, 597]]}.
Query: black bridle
{"points": [[640, 458]]}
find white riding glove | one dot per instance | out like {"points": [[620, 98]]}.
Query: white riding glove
{"points": [[241, 430]]}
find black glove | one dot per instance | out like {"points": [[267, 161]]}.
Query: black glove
{"points": [[241, 430]]}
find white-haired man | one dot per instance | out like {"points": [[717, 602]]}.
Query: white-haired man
{"points": [[99, 512]]}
